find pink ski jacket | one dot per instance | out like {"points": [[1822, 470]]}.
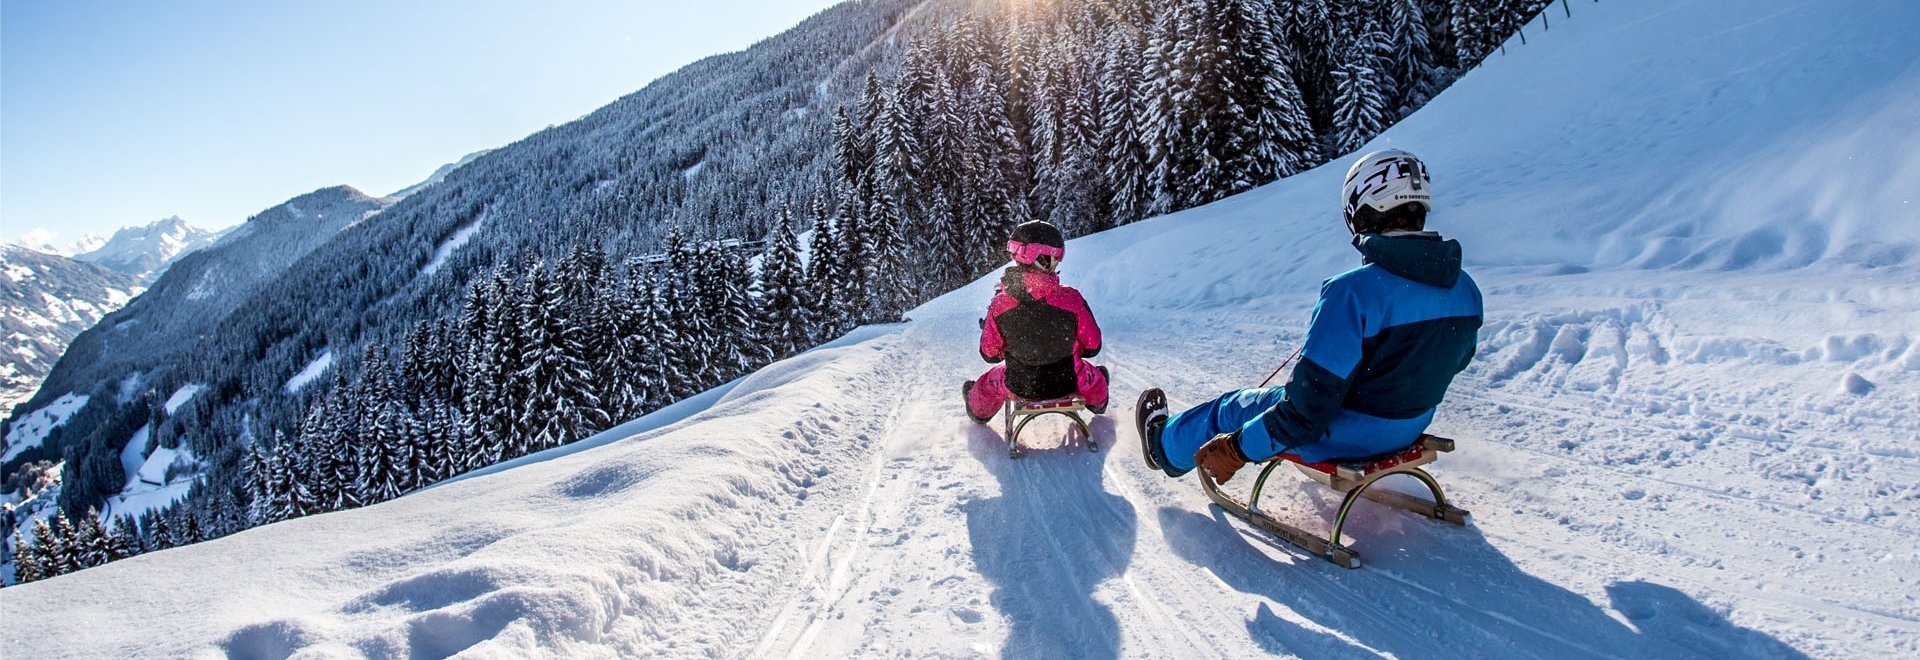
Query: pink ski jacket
{"points": [[1035, 322]]}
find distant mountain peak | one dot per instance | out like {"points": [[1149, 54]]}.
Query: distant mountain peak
{"points": [[46, 242], [144, 251]]}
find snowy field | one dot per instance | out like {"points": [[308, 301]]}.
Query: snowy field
{"points": [[1691, 430], [31, 430]]}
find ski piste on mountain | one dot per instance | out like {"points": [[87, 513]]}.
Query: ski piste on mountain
{"points": [[1688, 432]]}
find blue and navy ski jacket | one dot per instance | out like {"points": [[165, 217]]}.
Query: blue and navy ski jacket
{"points": [[1386, 340]]}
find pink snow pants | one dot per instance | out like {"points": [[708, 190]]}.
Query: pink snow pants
{"points": [[991, 390]]}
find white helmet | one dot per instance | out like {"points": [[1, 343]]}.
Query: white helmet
{"points": [[1385, 179]]}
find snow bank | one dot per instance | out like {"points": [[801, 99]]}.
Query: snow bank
{"points": [[454, 568]]}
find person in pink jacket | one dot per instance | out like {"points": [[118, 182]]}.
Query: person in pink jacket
{"points": [[1040, 328]]}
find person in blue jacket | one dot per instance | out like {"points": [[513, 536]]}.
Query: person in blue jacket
{"points": [[1386, 340]]}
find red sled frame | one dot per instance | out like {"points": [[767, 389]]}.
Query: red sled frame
{"points": [[1355, 478]]}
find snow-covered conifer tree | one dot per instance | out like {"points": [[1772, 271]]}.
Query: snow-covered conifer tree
{"points": [[124, 540], [1123, 108], [824, 262], [995, 169], [667, 348], [786, 313], [1360, 106], [1165, 78], [561, 405], [1406, 31], [26, 560], [90, 540], [1273, 136], [742, 347], [62, 554], [883, 266], [159, 532]]}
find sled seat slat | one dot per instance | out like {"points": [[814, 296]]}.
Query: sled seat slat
{"points": [[1023, 406], [1344, 474]]}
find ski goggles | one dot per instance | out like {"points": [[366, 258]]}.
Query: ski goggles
{"points": [[1027, 253]]}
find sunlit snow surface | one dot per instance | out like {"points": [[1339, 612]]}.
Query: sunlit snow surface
{"points": [[1690, 221]]}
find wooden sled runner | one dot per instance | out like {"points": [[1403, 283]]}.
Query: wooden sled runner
{"points": [[1355, 478], [1021, 411]]}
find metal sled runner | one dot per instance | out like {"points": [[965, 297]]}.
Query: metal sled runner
{"points": [[1355, 478], [1020, 412]]}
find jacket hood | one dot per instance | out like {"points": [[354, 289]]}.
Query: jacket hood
{"points": [[1423, 257], [1025, 283]]}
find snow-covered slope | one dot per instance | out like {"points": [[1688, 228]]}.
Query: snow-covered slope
{"points": [[146, 251], [45, 301], [1690, 431]]}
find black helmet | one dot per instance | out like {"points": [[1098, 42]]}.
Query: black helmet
{"points": [[1037, 241], [1039, 232]]}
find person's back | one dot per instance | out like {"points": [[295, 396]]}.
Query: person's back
{"points": [[1396, 331], [1385, 342], [1040, 326]]}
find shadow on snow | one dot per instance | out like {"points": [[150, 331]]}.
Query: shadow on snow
{"points": [[1052, 535], [1433, 590]]}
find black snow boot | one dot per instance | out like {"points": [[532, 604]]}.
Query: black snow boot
{"points": [[1150, 417], [966, 402]]}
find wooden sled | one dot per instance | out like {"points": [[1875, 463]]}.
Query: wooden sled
{"points": [[1355, 478], [1021, 411]]}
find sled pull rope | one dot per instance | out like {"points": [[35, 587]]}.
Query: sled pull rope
{"points": [[1283, 365]]}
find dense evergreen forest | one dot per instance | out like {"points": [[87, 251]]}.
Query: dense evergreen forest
{"points": [[614, 273]]}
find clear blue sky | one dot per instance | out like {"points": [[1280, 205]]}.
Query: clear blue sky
{"points": [[124, 112]]}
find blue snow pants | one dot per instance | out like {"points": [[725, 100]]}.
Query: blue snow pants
{"points": [[1350, 435]]}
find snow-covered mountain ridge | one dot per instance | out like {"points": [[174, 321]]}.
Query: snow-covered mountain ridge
{"points": [[440, 174], [1662, 440], [46, 242], [41, 326], [146, 251]]}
